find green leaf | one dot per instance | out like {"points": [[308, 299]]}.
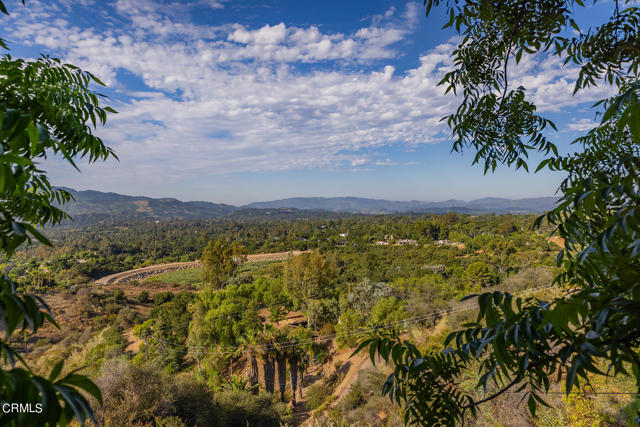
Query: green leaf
{"points": [[56, 371], [571, 374], [531, 404], [634, 120], [592, 335]]}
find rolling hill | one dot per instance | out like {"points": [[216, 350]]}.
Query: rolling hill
{"points": [[91, 206]]}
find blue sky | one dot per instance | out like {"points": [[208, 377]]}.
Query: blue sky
{"points": [[240, 101]]}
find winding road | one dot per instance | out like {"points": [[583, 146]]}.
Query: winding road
{"points": [[154, 270]]}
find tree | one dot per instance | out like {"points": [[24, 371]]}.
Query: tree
{"points": [[479, 273], [387, 310], [277, 313], [220, 261], [281, 368], [299, 359], [46, 107], [293, 375], [249, 341], [267, 353], [350, 321], [307, 276], [519, 343], [296, 356], [366, 294], [321, 312]]}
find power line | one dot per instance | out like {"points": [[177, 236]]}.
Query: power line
{"points": [[312, 340], [361, 331]]}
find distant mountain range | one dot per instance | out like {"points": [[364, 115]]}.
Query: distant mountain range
{"points": [[95, 205], [90, 206], [377, 206]]}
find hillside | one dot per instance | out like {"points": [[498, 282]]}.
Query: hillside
{"points": [[94, 206]]}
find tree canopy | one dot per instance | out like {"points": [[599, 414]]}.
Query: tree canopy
{"points": [[307, 276], [220, 261], [46, 107], [520, 344]]}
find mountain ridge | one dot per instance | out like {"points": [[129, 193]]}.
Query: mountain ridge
{"points": [[90, 205], [345, 204]]}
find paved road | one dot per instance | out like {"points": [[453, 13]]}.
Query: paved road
{"points": [[154, 270]]}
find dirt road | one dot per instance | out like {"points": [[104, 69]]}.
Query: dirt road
{"points": [[154, 270]]}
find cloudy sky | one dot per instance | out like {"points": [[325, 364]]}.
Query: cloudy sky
{"points": [[239, 101]]}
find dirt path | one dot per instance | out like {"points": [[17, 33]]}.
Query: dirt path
{"points": [[154, 270], [133, 343], [358, 363]]}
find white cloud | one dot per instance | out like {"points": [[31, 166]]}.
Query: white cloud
{"points": [[550, 84], [582, 125], [360, 161], [232, 98]]}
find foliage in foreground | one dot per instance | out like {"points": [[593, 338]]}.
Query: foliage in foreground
{"points": [[521, 344], [45, 107]]}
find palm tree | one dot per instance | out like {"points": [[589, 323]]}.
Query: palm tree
{"points": [[303, 363], [268, 337], [298, 358], [281, 362], [249, 342], [293, 358]]}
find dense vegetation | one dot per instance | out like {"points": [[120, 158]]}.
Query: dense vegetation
{"points": [[172, 352], [86, 253], [267, 344], [518, 344]]}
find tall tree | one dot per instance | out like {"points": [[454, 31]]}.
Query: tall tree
{"points": [[219, 261], [46, 108], [296, 357], [293, 374], [249, 342], [518, 343], [306, 277], [281, 368], [267, 352]]}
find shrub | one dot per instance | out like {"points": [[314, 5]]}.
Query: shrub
{"points": [[127, 317], [168, 422], [112, 308], [162, 297], [242, 408], [327, 329], [84, 302], [141, 394], [316, 396], [363, 404], [194, 402], [118, 294], [133, 394], [143, 297]]}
